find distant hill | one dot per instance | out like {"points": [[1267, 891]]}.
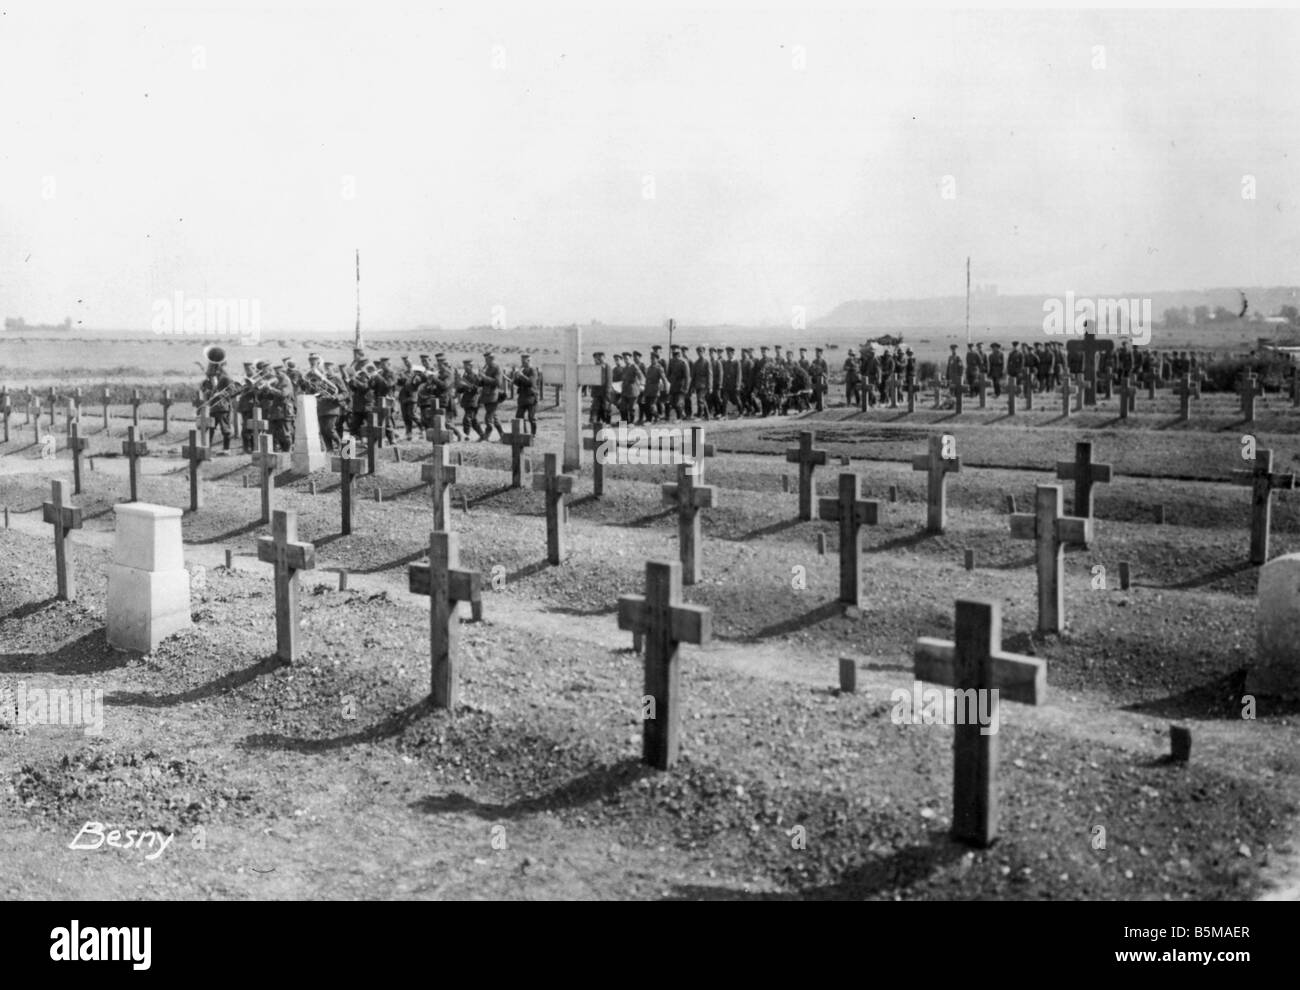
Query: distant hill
{"points": [[990, 310]]}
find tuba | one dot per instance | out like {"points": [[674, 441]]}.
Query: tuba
{"points": [[216, 357]]}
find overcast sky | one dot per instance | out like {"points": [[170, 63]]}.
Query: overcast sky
{"points": [[627, 165]]}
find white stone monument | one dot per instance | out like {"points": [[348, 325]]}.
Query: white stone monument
{"points": [[308, 453], [1276, 670], [148, 585]]}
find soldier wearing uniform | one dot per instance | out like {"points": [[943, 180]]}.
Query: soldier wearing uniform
{"points": [[280, 394], [320, 382], [820, 373], [467, 390], [656, 383], [408, 390], [492, 390], [679, 382], [216, 383], [527, 384], [730, 392], [701, 382]]}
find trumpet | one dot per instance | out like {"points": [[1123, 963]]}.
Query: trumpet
{"points": [[331, 389]]}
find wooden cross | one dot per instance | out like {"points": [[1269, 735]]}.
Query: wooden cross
{"points": [[937, 468], [1067, 389], [689, 498], [1249, 389], [257, 425], [268, 461], [600, 435], [661, 617], [557, 488], [982, 387], [892, 391], [348, 467], [974, 661], [852, 513], [938, 392], [1052, 530], [1084, 474], [1027, 384], [441, 474], [65, 517], [1127, 397], [437, 433], [77, 444], [203, 422], [807, 458], [1011, 398], [1185, 389], [136, 399], [518, 439], [446, 584], [373, 431], [70, 414], [283, 549], [6, 409], [911, 389], [35, 419], [196, 452], [1262, 481], [167, 409], [54, 401], [572, 375], [959, 396], [107, 397], [134, 448]]}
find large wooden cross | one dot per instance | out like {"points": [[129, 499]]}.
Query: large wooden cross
{"points": [[347, 467], [937, 468], [64, 517], [446, 584], [689, 497], [557, 488], [1067, 390], [106, 398], [267, 461], [660, 616], [34, 412], [807, 458], [257, 425], [517, 440], [1084, 474], [134, 448], [852, 513], [1127, 397], [1262, 482], [54, 402], [572, 375], [441, 474], [1051, 530], [373, 431], [203, 422], [77, 444], [167, 409], [196, 452], [283, 549], [974, 662], [1185, 389], [71, 414], [437, 433], [1249, 388], [136, 399]]}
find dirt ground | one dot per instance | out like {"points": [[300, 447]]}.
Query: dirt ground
{"points": [[332, 777]]}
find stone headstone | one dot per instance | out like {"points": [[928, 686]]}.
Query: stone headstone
{"points": [[308, 453], [148, 585], [1276, 669]]}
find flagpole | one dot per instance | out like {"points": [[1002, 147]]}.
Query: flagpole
{"points": [[356, 340], [968, 299]]}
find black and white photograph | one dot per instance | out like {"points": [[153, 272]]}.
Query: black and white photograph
{"points": [[650, 452]]}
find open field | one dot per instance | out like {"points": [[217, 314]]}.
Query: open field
{"points": [[334, 778]]}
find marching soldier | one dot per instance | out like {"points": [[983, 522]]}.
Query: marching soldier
{"points": [[467, 389], [363, 399], [217, 384], [408, 390], [679, 380], [886, 373], [384, 385], [492, 391], [320, 382], [820, 373], [954, 369], [701, 382], [656, 383], [997, 366], [280, 396], [527, 384], [731, 384]]}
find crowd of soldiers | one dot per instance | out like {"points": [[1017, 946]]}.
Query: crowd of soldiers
{"points": [[1042, 366], [717, 382], [350, 397]]}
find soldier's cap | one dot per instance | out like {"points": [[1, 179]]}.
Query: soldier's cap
{"points": [[952, 347], [909, 350], [636, 354], [383, 360], [804, 350], [996, 346], [313, 357], [440, 357], [288, 364], [700, 349], [1015, 343], [524, 357], [732, 350], [489, 356], [424, 357], [817, 349], [764, 348], [262, 365], [468, 361], [598, 354], [329, 364]]}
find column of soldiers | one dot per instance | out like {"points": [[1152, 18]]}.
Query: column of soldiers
{"points": [[348, 395]]}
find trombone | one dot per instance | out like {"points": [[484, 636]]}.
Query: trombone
{"points": [[332, 390]]}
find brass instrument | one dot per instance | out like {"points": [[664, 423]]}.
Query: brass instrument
{"points": [[332, 389], [216, 357]]}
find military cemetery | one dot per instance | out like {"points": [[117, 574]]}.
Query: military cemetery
{"points": [[687, 607]]}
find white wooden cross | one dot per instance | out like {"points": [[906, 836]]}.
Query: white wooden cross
{"points": [[268, 462], [572, 374], [689, 498], [937, 468], [441, 474], [974, 661], [517, 440], [852, 513], [557, 488]]}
